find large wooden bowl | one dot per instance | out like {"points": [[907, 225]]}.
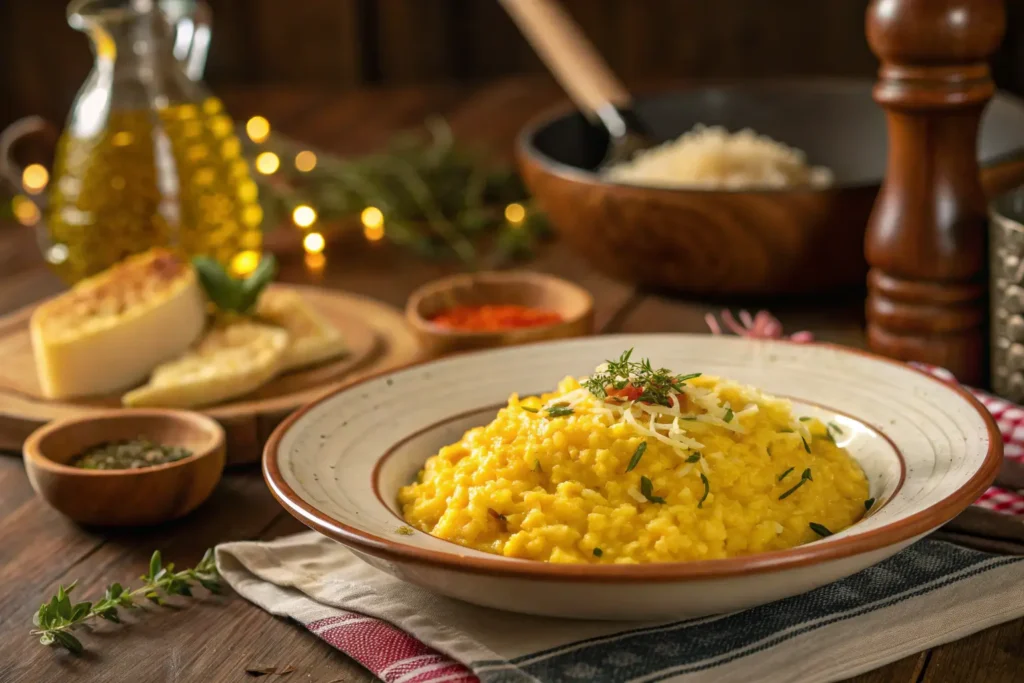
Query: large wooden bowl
{"points": [[739, 242]]}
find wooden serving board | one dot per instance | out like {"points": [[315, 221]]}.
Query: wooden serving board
{"points": [[376, 334]]}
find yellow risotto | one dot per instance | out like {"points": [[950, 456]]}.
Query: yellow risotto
{"points": [[640, 465]]}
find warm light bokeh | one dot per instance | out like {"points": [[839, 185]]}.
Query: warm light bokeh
{"points": [[245, 262], [34, 178], [305, 161], [257, 128], [372, 217], [515, 213], [267, 163], [304, 216], [313, 243]]}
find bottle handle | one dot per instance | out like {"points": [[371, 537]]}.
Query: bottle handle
{"points": [[10, 170], [192, 40]]}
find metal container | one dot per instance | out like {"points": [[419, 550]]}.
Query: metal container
{"points": [[1006, 282]]}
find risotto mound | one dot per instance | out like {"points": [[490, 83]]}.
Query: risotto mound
{"points": [[644, 466]]}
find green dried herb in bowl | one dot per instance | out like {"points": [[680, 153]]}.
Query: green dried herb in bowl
{"points": [[128, 455]]}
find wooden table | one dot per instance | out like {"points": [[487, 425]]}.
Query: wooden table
{"points": [[215, 639]]}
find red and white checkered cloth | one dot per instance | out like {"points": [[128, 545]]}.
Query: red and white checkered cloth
{"points": [[1008, 416]]}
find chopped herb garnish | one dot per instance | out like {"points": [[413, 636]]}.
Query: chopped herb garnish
{"points": [[647, 489], [835, 428], [805, 418], [868, 503], [806, 476], [656, 386], [807, 446], [707, 490], [598, 552], [828, 435], [689, 418], [529, 409], [637, 454], [728, 415], [785, 430], [820, 529], [695, 457], [404, 531], [783, 475], [559, 410]]}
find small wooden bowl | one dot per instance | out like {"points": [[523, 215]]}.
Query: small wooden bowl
{"points": [[141, 496], [573, 303]]}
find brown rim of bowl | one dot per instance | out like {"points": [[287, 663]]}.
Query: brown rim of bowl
{"points": [[801, 556], [31, 451], [375, 473], [421, 324]]}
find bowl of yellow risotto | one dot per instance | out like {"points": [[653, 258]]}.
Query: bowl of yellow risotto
{"points": [[635, 477]]}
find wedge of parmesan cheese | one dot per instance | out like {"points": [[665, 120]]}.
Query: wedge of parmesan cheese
{"points": [[231, 360], [109, 331], [311, 337]]}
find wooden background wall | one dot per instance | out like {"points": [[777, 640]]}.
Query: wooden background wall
{"points": [[340, 44]]}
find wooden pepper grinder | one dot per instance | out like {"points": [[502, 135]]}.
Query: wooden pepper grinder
{"points": [[926, 238]]}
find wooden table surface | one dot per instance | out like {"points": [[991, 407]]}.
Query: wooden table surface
{"points": [[216, 639]]}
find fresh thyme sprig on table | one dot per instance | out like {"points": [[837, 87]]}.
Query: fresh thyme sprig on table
{"points": [[654, 386], [56, 618]]}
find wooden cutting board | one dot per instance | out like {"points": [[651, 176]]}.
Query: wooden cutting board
{"points": [[376, 334]]}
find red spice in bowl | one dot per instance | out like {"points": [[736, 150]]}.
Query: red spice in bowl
{"points": [[494, 317]]}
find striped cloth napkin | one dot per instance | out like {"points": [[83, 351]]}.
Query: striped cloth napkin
{"points": [[931, 593]]}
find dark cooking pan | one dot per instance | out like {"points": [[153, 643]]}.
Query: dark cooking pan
{"points": [[731, 242]]}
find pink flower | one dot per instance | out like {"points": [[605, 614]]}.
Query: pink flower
{"points": [[761, 326]]}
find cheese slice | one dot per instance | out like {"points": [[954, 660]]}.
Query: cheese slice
{"points": [[311, 337], [109, 331], [231, 360]]}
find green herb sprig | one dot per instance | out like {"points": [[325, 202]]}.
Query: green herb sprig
{"points": [[559, 410], [637, 454], [656, 385], [55, 619], [693, 457], [805, 477], [647, 489], [707, 490], [783, 475], [230, 294], [820, 529]]}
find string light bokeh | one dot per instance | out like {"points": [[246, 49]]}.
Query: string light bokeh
{"points": [[258, 129], [313, 243], [515, 213], [34, 178], [25, 210], [304, 215], [305, 161], [267, 163]]}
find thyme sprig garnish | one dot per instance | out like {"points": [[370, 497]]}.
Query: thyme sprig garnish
{"points": [[783, 475], [637, 454], [832, 426], [55, 619], [693, 457], [655, 385], [707, 490], [820, 529], [807, 446], [647, 489], [805, 477]]}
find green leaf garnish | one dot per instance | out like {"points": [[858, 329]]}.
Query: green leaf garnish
{"points": [[785, 430], [707, 490], [834, 427], [231, 294], [695, 457], [805, 418], [828, 435], [598, 552], [637, 454], [656, 385], [807, 446], [559, 410], [820, 529], [868, 503], [805, 477], [647, 489], [783, 475], [728, 415]]}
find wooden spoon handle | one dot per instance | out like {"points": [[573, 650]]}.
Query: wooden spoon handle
{"points": [[568, 54]]}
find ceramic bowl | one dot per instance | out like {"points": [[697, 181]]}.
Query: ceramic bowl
{"points": [[573, 303], [135, 497], [928, 449]]}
